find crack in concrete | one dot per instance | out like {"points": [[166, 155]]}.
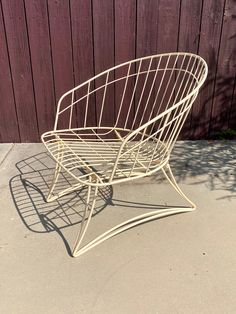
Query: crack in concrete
{"points": [[6, 155]]}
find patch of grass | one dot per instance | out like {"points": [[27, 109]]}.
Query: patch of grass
{"points": [[227, 134]]}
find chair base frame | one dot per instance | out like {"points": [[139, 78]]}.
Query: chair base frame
{"points": [[90, 205]]}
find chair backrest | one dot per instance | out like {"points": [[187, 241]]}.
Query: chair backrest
{"points": [[131, 94], [146, 99]]}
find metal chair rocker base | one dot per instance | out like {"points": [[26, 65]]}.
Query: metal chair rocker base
{"points": [[130, 223]]}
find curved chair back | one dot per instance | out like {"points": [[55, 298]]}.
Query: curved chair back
{"points": [[144, 101], [131, 94]]}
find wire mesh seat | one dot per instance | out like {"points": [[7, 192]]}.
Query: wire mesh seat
{"points": [[122, 125]]}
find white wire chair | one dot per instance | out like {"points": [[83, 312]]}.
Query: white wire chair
{"points": [[122, 125]]}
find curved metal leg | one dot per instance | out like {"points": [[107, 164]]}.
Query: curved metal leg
{"points": [[170, 177], [57, 170], [84, 224], [50, 196], [133, 221]]}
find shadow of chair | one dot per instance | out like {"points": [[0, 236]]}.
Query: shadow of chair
{"points": [[29, 190], [30, 187]]}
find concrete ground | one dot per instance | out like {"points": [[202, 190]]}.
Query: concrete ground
{"points": [[184, 263]]}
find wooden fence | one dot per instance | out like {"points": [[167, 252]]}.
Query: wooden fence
{"points": [[48, 47]]}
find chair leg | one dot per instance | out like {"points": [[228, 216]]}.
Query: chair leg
{"points": [[158, 213], [85, 222], [50, 196], [170, 177]]}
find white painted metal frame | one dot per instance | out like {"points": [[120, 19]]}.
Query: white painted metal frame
{"points": [[153, 96]]}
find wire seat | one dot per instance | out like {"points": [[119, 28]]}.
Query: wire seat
{"points": [[89, 154]]}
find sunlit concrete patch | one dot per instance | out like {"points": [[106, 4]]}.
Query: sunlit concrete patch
{"points": [[4, 150]]}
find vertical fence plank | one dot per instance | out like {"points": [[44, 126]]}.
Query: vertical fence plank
{"points": [[16, 31], [62, 55], [9, 131], [189, 27], [189, 34], [103, 21], [168, 25], [60, 30], [208, 48], [125, 25], [232, 115], [224, 81], [146, 44], [82, 37], [168, 31], [81, 15], [147, 16], [37, 21], [125, 40]]}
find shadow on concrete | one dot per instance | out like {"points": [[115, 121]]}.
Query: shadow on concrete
{"points": [[212, 163], [29, 190], [200, 162]]}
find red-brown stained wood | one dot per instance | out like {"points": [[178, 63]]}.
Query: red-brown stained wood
{"points": [[168, 25], [82, 29], [167, 41], [189, 27], [189, 34], [232, 115], [62, 55], [125, 26], [208, 48], [103, 22], [224, 82], [16, 31], [9, 131], [147, 16], [82, 37], [147, 19], [168, 28], [39, 41]]}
